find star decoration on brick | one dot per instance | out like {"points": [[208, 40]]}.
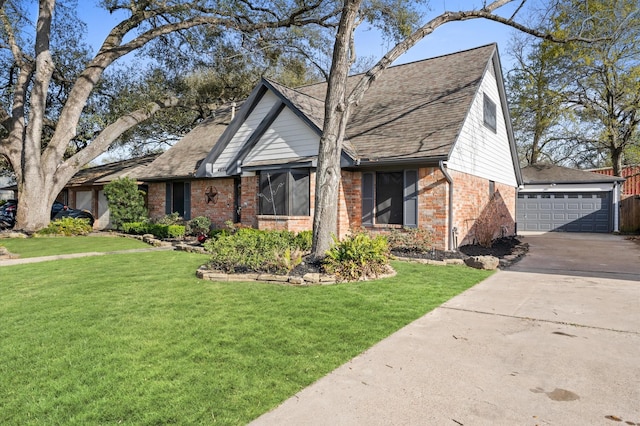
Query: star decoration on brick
{"points": [[211, 194]]}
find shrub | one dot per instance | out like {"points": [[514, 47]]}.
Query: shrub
{"points": [[67, 226], [126, 201], [170, 219], [198, 225], [247, 249], [358, 256], [410, 240], [157, 230], [303, 240], [136, 228]]}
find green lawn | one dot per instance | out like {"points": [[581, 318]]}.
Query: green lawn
{"points": [[48, 246], [136, 339]]}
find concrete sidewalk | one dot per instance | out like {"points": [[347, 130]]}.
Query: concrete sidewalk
{"points": [[27, 260], [520, 348]]}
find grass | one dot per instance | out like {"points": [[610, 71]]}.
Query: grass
{"points": [[138, 340], [48, 246]]}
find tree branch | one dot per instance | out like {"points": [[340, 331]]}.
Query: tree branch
{"points": [[117, 128], [11, 38]]}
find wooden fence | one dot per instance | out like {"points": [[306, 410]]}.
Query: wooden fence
{"points": [[630, 214]]}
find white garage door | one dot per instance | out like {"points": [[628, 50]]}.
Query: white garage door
{"points": [[566, 212]]}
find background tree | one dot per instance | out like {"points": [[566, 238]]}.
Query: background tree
{"points": [[47, 84], [539, 114], [578, 103]]}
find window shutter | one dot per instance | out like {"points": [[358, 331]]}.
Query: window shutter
{"points": [[367, 198], [168, 199], [187, 201], [299, 193], [411, 198]]}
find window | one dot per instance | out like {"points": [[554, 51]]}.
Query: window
{"points": [[489, 113], [390, 198], [284, 193], [178, 199]]}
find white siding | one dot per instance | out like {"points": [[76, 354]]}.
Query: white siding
{"points": [[287, 138], [479, 150], [238, 140]]}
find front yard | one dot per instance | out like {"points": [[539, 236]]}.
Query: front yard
{"points": [[138, 339]]}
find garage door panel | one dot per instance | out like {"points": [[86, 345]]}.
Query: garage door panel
{"points": [[571, 212]]}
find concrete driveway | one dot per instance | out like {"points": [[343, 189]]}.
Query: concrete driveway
{"points": [[554, 340]]}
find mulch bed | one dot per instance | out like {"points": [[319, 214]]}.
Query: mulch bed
{"points": [[500, 248]]}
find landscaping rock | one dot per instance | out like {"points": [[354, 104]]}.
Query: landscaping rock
{"points": [[311, 278], [12, 234], [482, 262]]}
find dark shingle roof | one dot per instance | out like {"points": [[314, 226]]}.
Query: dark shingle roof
{"points": [[103, 174], [184, 158], [550, 173], [414, 110]]}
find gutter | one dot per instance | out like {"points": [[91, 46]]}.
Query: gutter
{"points": [[452, 231]]}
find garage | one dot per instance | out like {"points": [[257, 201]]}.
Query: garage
{"points": [[560, 199], [566, 212]]}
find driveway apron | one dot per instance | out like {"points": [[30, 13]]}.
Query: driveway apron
{"points": [[553, 340]]}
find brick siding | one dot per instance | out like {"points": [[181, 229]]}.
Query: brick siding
{"points": [[475, 211]]}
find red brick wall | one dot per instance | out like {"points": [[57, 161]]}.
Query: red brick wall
{"points": [[477, 214], [433, 213], [349, 203], [219, 212], [475, 211]]}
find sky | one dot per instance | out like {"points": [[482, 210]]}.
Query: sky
{"points": [[449, 38]]}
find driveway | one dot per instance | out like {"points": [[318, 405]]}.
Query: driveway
{"points": [[553, 340]]}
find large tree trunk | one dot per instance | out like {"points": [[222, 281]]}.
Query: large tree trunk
{"points": [[34, 202], [325, 220]]}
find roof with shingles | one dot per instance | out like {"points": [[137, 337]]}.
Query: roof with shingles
{"points": [[415, 110], [184, 158], [105, 173], [551, 173]]}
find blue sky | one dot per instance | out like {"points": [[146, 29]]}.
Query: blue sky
{"points": [[449, 38]]}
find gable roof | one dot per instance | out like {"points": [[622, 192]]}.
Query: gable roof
{"points": [[105, 173], [415, 110], [184, 158], [413, 113], [550, 173]]}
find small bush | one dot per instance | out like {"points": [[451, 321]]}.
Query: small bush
{"points": [[410, 240], [303, 240], [157, 230], [198, 225], [135, 228], [126, 201], [247, 249], [67, 226], [358, 256], [170, 219]]}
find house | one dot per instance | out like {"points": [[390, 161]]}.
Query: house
{"points": [[555, 198], [171, 182], [6, 189], [85, 189], [429, 146]]}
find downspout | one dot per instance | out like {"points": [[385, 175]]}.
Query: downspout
{"points": [[452, 232], [616, 207]]}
